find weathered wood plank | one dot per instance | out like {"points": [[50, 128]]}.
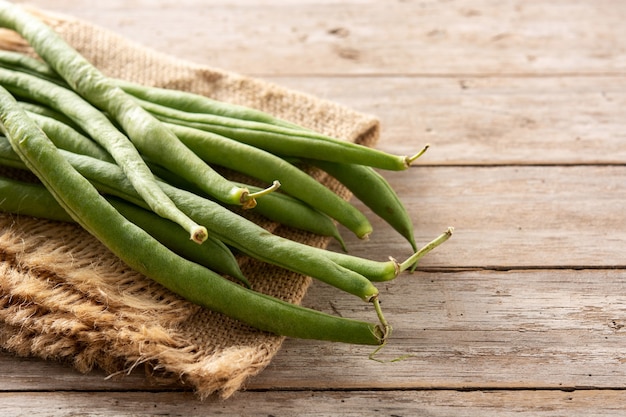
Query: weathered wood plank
{"points": [[509, 217], [488, 120], [370, 37], [320, 404], [465, 328], [24, 374], [560, 329], [548, 329]]}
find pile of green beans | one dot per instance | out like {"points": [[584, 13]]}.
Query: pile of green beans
{"points": [[140, 167]]}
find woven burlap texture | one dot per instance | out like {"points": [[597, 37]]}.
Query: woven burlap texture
{"points": [[64, 296]]}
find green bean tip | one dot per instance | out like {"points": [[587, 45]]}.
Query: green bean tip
{"points": [[408, 160]]}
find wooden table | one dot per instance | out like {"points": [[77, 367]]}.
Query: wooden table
{"points": [[523, 311]]}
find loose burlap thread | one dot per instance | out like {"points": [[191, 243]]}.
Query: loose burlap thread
{"points": [[65, 297]]}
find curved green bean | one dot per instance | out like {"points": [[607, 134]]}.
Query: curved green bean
{"points": [[147, 256], [32, 199], [282, 141], [232, 229], [375, 192], [264, 166]]}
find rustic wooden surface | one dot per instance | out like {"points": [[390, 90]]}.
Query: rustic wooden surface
{"points": [[523, 312]]}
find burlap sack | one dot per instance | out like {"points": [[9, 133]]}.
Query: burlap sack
{"points": [[63, 296]]}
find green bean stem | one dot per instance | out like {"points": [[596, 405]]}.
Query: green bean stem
{"points": [[413, 259], [147, 256]]}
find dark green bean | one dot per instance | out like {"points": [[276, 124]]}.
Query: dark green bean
{"points": [[232, 229], [195, 103], [375, 192], [34, 200], [29, 199], [282, 141], [262, 165], [147, 256]]}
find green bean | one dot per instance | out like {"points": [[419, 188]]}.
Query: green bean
{"points": [[18, 61], [288, 211], [146, 132], [34, 200], [29, 199], [147, 256], [108, 181], [94, 122], [264, 166], [282, 141], [8, 157], [35, 108], [231, 229], [196, 103], [375, 192], [65, 137]]}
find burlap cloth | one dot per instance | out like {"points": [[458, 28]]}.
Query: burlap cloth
{"points": [[64, 296]]}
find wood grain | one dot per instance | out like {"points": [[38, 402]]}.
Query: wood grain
{"points": [[492, 120], [483, 37], [324, 404]]}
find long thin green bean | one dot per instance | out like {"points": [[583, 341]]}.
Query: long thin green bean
{"points": [[375, 192], [144, 254], [96, 123], [282, 141], [32, 199], [262, 165]]}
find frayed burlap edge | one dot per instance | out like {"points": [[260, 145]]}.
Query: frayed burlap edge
{"points": [[63, 296]]}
